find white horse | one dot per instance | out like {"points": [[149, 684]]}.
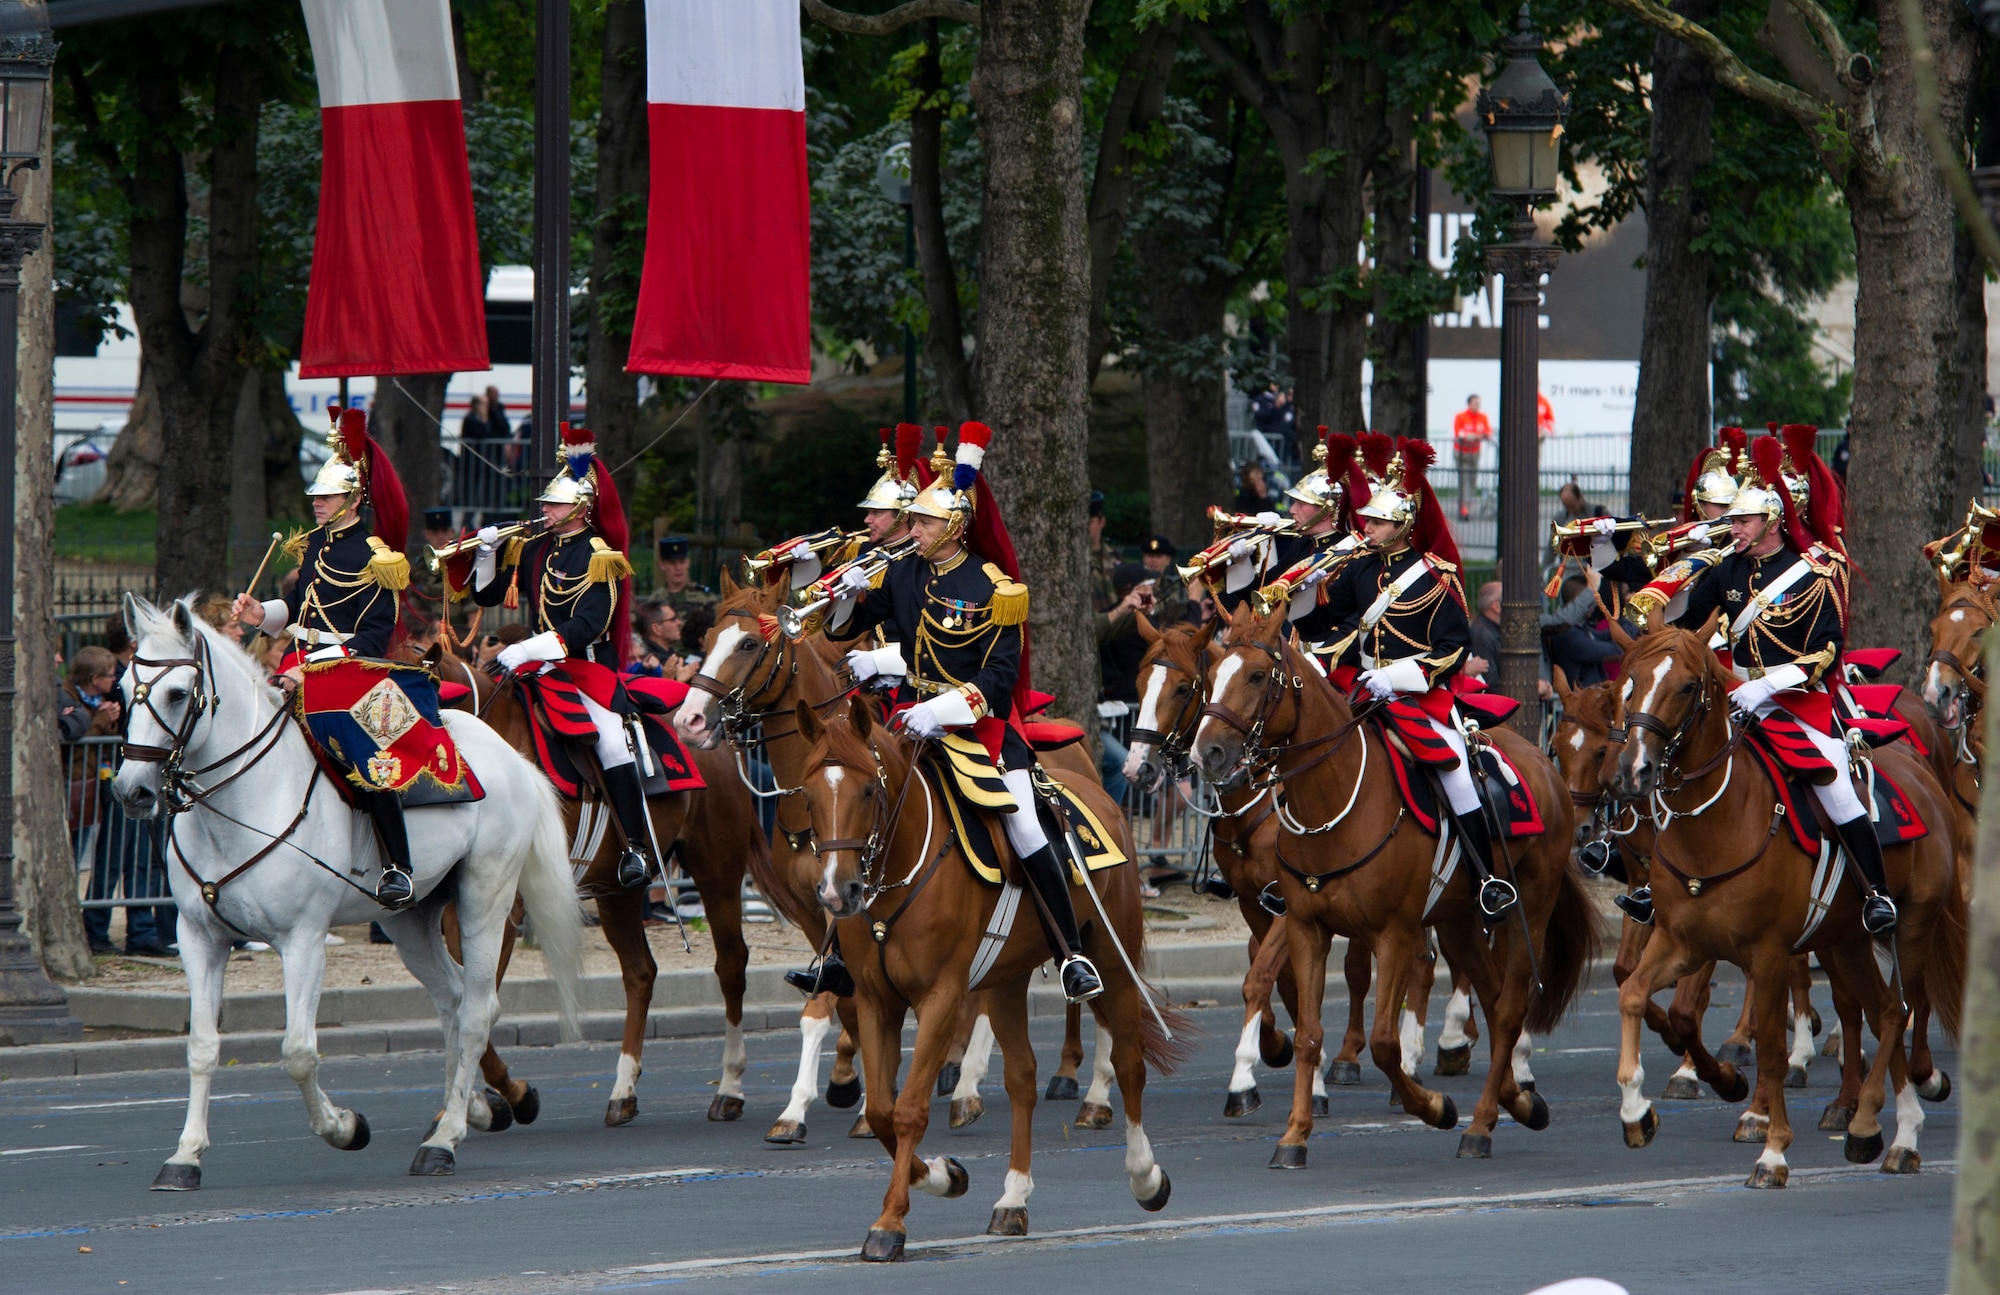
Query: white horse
{"points": [[259, 844]]}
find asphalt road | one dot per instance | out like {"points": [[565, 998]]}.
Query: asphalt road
{"points": [[569, 1205]]}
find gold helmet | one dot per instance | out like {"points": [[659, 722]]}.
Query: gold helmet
{"points": [[897, 485], [949, 495], [1394, 497], [1760, 492], [1714, 484], [573, 482], [342, 472], [1326, 487]]}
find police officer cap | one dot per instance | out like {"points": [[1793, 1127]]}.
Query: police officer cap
{"points": [[673, 548], [1097, 503], [437, 519], [1159, 545]]}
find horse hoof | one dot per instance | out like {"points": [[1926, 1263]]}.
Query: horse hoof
{"points": [[500, 1116], [947, 1080], [1447, 1114], [1279, 1057], [1831, 1047], [860, 1127], [1734, 1054], [1902, 1160], [177, 1178], [621, 1110], [723, 1109], [1681, 1088], [1763, 1175], [882, 1246], [1008, 1221], [1321, 1106], [966, 1110], [1751, 1128], [1795, 1077], [1732, 1087], [1158, 1200], [1936, 1088], [956, 1181], [1527, 1085], [1062, 1088], [1538, 1113], [1237, 1105], [842, 1097], [1093, 1115], [1640, 1133], [786, 1133], [357, 1140], [1453, 1061], [433, 1162], [528, 1107], [1835, 1118], [1343, 1074], [1862, 1151], [1287, 1156], [1475, 1146]]}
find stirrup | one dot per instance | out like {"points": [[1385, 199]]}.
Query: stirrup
{"points": [[634, 869], [1271, 901], [1878, 914], [1079, 979], [1637, 905], [395, 891], [1497, 898], [1594, 856], [830, 976]]}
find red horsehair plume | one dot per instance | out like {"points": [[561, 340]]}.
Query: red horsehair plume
{"points": [[1418, 456], [1767, 453], [1377, 448], [1798, 439], [909, 448], [1340, 449], [1735, 441]]}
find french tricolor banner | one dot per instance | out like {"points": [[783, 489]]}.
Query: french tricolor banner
{"points": [[395, 286], [727, 287]]}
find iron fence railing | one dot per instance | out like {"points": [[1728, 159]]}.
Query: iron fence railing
{"points": [[119, 860]]}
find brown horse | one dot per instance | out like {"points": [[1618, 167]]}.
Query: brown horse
{"points": [[911, 911], [1351, 865], [1715, 806], [717, 833]]}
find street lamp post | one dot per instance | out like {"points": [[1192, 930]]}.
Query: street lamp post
{"points": [[1522, 112], [33, 1009], [550, 402], [892, 176]]}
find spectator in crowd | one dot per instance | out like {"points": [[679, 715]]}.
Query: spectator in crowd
{"points": [[659, 643], [695, 625], [270, 654], [1484, 662], [1575, 506], [1469, 431], [1253, 495], [120, 852], [1545, 417], [118, 642], [676, 587], [1582, 648], [214, 609], [1579, 601], [1272, 414], [1170, 596], [85, 704], [475, 425], [1119, 646], [1103, 558]]}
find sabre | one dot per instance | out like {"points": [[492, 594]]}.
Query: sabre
{"points": [[276, 540], [635, 744]]}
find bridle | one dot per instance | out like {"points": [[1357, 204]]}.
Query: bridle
{"points": [[1172, 746], [881, 831], [1258, 761], [1979, 601], [743, 711], [1672, 739]]}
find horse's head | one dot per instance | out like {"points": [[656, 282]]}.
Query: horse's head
{"points": [[172, 686], [1957, 631], [1171, 677], [1585, 754], [1246, 691], [1670, 680], [744, 639], [847, 801]]}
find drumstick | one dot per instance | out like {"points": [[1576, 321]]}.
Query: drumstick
{"points": [[276, 539]]}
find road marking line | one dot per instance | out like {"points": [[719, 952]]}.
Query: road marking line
{"points": [[163, 1101], [36, 1151]]}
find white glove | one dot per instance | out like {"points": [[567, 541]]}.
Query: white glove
{"points": [[1605, 526], [546, 646], [489, 539], [853, 580], [1268, 518], [801, 552], [1239, 550], [1747, 696], [886, 662], [921, 720], [1378, 685], [514, 654]]}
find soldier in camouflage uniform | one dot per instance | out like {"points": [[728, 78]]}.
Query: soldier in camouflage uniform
{"points": [[1103, 559], [1170, 597], [675, 588]]}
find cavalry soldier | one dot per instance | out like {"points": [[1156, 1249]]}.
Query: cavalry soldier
{"points": [[574, 582], [344, 608], [1780, 595], [1629, 556], [1322, 512], [1402, 610], [960, 618], [882, 507]]}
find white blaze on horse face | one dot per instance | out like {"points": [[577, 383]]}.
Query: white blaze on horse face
{"points": [[1576, 740], [1956, 617], [1632, 1103], [1149, 718], [827, 891], [1225, 675], [693, 714], [1660, 673]]}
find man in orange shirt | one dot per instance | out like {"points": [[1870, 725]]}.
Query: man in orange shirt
{"points": [[1469, 429], [1545, 416]]}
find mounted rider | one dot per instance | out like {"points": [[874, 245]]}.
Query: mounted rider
{"points": [[1781, 591], [343, 609], [1631, 552], [1322, 526], [575, 583], [960, 617], [1401, 608]]}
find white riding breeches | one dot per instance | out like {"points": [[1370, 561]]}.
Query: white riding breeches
{"points": [[1024, 825], [613, 751], [1842, 805], [1459, 788]]}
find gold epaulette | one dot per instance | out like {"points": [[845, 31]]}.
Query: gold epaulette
{"points": [[1439, 564], [847, 552], [295, 545], [510, 556], [607, 565], [1010, 597], [386, 567]]}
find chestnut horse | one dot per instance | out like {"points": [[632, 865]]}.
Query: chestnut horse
{"points": [[717, 833], [1356, 871], [911, 913], [1721, 828]]}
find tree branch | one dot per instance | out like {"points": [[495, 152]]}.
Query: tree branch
{"points": [[93, 128], [857, 24], [1788, 35], [1249, 82], [1855, 75]]}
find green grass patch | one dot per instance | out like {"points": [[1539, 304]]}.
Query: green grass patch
{"points": [[100, 533]]}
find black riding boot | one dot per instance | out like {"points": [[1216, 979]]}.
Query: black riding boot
{"points": [[830, 977], [1637, 905], [1864, 851], [395, 891], [1497, 896], [628, 799], [1046, 874]]}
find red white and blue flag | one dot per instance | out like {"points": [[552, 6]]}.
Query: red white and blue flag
{"points": [[396, 285], [727, 287]]}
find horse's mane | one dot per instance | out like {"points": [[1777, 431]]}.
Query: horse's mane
{"points": [[1592, 706], [159, 621], [840, 745]]}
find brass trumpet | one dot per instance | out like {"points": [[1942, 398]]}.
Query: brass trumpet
{"points": [[1321, 565], [1229, 528], [795, 621], [820, 542], [435, 555]]}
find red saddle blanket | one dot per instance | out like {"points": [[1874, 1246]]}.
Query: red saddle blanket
{"points": [[1877, 701], [560, 719], [1420, 792], [1896, 818], [374, 726]]}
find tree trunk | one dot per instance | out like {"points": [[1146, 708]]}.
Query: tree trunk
{"points": [[1357, 133], [283, 485], [1905, 425], [618, 238], [944, 340], [1398, 388], [1034, 323], [727, 428], [44, 869], [249, 505], [1135, 103], [406, 421], [132, 470], [1672, 415], [1976, 1225], [1969, 272]]}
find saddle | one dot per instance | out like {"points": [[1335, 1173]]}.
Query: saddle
{"points": [[561, 726], [1896, 819], [1045, 734], [1509, 801], [973, 794]]}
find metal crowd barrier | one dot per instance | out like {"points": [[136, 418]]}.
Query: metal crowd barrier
{"points": [[119, 860], [1165, 829]]}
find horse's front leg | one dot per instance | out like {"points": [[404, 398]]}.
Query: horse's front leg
{"points": [[523, 1102], [483, 918], [937, 1018], [1853, 1062], [1260, 1037], [1662, 961], [1454, 1054], [1062, 1084], [1770, 987], [204, 954], [815, 1023], [966, 1104], [1395, 953], [722, 900], [623, 918], [1358, 969], [1684, 1016], [1308, 945], [843, 1082], [302, 954], [1007, 1011], [1416, 1006]]}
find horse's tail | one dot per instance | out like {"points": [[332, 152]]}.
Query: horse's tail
{"points": [[550, 895], [1165, 1055], [1944, 974], [1568, 949]]}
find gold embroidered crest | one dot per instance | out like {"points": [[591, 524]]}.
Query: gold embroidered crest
{"points": [[384, 769], [384, 713]]}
